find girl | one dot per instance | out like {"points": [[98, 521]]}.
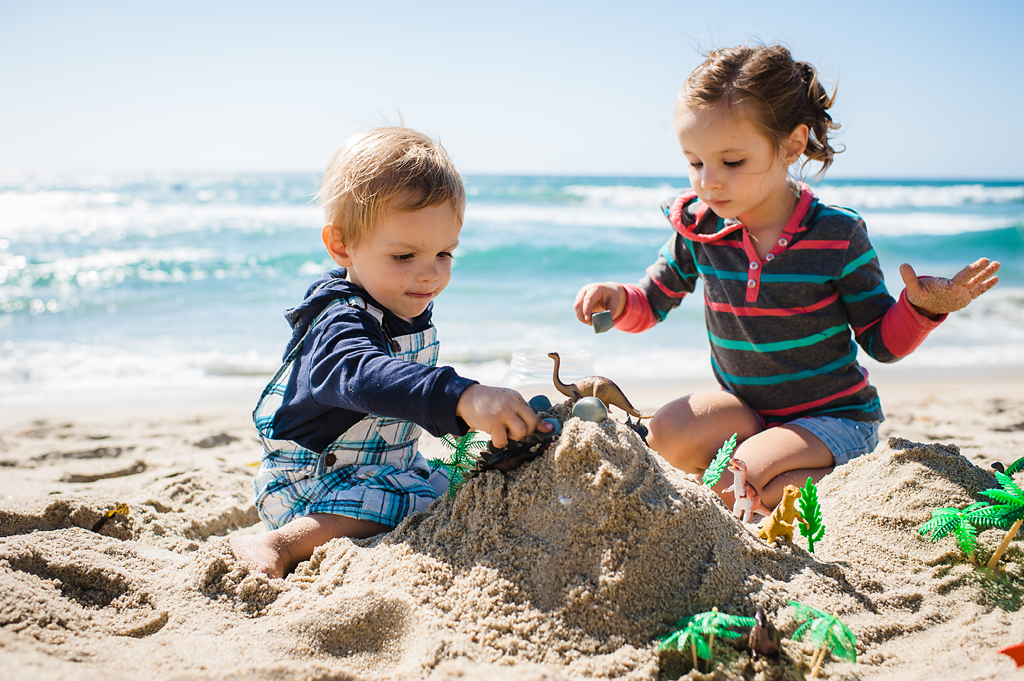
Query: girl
{"points": [[786, 280]]}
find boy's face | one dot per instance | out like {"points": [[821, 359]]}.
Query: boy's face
{"points": [[405, 261]]}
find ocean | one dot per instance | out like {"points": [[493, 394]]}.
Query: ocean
{"points": [[153, 281]]}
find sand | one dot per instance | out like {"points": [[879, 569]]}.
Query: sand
{"points": [[568, 568]]}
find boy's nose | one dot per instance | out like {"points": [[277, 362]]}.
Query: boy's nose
{"points": [[430, 273]]}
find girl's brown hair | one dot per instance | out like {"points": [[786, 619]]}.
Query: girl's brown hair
{"points": [[777, 93]]}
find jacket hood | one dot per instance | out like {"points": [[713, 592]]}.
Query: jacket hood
{"points": [[331, 286], [688, 213]]}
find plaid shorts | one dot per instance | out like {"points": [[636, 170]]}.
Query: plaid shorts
{"points": [[371, 472], [382, 494]]}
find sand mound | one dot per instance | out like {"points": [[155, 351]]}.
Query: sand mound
{"points": [[566, 568]]}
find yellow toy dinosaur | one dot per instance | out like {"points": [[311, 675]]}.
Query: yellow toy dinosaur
{"points": [[781, 521]]}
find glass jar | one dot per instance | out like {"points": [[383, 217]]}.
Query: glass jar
{"points": [[531, 372]]}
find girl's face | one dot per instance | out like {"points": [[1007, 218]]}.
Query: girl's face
{"points": [[735, 169]]}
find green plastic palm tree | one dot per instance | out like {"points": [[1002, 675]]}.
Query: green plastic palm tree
{"points": [[827, 633], [714, 471], [959, 523], [710, 624], [716, 623], [813, 527], [1010, 511], [689, 636], [463, 458]]}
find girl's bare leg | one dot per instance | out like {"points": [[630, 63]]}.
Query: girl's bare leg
{"points": [[689, 431], [784, 455], [277, 552]]}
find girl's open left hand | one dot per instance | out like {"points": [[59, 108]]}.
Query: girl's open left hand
{"points": [[936, 296]]}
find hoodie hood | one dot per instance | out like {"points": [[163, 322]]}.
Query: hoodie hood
{"points": [[695, 221], [331, 286], [688, 215]]}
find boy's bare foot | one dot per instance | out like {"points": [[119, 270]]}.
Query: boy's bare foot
{"points": [[259, 553]]}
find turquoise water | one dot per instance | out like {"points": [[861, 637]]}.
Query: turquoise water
{"points": [[168, 280]]}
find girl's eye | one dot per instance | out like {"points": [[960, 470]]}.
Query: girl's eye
{"points": [[733, 164], [696, 164]]}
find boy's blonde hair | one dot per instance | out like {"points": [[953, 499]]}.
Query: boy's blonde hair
{"points": [[386, 169]]}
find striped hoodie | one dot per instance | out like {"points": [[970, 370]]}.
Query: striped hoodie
{"points": [[782, 328]]}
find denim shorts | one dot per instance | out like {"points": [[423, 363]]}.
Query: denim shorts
{"points": [[846, 439]]}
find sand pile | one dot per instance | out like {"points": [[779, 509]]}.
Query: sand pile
{"points": [[566, 568]]}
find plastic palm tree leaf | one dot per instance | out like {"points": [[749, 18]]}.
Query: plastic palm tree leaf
{"points": [[1009, 485], [966, 538], [841, 641], [1016, 466], [686, 639], [714, 472], [989, 516], [810, 510], [720, 623], [1004, 497], [671, 641], [942, 522], [462, 458], [805, 612]]}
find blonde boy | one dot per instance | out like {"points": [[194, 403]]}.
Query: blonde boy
{"points": [[341, 419]]}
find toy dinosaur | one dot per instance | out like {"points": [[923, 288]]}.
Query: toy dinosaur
{"points": [[764, 638], [600, 387], [782, 520], [747, 500]]}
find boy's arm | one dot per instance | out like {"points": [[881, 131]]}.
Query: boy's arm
{"points": [[350, 369]]}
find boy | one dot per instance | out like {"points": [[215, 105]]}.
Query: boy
{"points": [[339, 420]]}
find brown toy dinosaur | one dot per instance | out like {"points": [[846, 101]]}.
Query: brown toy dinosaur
{"points": [[747, 502], [783, 519], [600, 387]]}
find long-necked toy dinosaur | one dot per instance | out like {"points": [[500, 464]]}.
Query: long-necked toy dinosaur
{"points": [[600, 387]]}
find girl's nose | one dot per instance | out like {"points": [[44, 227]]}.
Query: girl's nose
{"points": [[710, 179]]}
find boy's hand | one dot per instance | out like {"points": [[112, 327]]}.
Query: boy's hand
{"points": [[502, 412], [934, 296], [597, 297]]}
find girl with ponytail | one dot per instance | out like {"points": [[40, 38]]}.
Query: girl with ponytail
{"points": [[789, 283]]}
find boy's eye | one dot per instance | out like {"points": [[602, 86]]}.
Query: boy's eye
{"points": [[445, 254], [734, 164], [404, 257]]}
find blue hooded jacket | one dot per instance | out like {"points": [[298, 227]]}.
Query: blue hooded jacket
{"points": [[344, 371]]}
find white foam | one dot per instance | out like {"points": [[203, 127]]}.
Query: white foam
{"points": [[916, 196]]}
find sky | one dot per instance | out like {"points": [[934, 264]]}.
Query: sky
{"points": [[925, 89]]}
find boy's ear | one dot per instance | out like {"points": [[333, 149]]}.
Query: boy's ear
{"points": [[336, 248], [796, 143]]}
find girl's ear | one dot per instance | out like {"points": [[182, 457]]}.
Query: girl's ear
{"points": [[336, 248], [796, 143]]}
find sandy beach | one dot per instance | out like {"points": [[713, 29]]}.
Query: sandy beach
{"points": [[568, 568]]}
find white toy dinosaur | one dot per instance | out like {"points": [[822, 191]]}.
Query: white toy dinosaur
{"points": [[747, 501]]}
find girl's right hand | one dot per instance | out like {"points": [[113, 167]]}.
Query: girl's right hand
{"points": [[598, 297]]}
